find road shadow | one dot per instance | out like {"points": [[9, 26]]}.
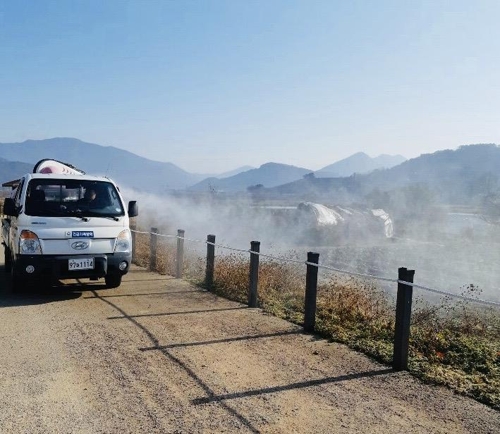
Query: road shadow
{"points": [[165, 352], [160, 279], [40, 294], [34, 297], [148, 294], [222, 341], [70, 289], [185, 312], [292, 386], [221, 399]]}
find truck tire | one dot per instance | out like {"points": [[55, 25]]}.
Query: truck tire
{"points": [[17, 283], [7, 261], [113, 280]]}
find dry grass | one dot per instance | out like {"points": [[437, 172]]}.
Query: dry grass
{"points": [[280, 287], [458, 344], [452, 343], [166, 257], [356, 312]]}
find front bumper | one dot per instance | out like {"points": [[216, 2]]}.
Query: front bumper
{"points": [[56, 266]]}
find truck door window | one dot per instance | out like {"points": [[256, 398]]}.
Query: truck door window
{"points": [[17, 197]]}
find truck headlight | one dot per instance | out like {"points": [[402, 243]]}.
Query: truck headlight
{"points": [[123, 241], [29, 244]]}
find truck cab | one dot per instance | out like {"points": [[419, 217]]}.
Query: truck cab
{"points": [[64, 224]]}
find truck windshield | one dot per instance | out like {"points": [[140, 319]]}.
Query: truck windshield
{"points": [[62, 197]]}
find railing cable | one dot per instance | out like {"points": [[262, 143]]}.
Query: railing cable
{"points": [[329, 268]]}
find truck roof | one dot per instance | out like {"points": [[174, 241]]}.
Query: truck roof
{"points": [[64, 176], [48, 168], [14, 183]]}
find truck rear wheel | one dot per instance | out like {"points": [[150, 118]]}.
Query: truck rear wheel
{"points": [[113, 280]]}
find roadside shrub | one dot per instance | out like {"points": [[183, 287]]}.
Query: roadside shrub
{"points": [[458, 344], [356, 312], [231, 278]]}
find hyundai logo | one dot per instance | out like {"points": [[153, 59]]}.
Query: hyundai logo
{"points": [[80, 245]]}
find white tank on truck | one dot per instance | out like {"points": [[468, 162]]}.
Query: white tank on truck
{"points": [[60, 223]]}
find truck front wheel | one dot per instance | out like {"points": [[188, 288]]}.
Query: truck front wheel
{"points": [[113, 280], [17, 283], [8, 260]]}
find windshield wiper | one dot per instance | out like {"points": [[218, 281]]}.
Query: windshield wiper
{"points": [[113, 217], [98, 214], [72, 213], [80, 216]]}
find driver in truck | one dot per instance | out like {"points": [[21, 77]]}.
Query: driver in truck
{"points": [[88, 197]]}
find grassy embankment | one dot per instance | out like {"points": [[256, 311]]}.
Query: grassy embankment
{"points": [[456, 344]]}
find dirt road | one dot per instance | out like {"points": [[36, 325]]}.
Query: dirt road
{"points": [[158, 355]]}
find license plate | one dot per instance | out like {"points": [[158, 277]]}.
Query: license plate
{"points": [[81, 264], [82, 234]]}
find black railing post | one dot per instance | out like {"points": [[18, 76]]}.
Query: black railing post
{"points": [[311, 292], [209, 270], [403, 317], [254, 273], [153, 239], [180, 253]]}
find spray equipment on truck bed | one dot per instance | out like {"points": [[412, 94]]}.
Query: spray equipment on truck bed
{"points": [[48, 165]]}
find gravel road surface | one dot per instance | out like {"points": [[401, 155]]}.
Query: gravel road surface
{"points": [[158, 355]]}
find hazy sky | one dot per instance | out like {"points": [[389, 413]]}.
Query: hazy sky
{"points": [[212, 85]]}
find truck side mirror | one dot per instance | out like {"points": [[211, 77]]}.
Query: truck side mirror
{"points": [[133, 209], [9, 207]]}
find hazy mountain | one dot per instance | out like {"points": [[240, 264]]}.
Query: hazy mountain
{"points": [[454, 175], [10, 170], [359, 163], [126, 168], [269, 175], [234, 172], [465, 175], [462, 176]]}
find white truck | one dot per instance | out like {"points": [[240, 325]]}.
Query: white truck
{"points": [[60, 223]]}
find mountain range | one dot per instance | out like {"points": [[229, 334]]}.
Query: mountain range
{"points": [[10, 170], [131, 170], [124, 167], [358, 163], [466, 175], [268, 175], [463, 176]]}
